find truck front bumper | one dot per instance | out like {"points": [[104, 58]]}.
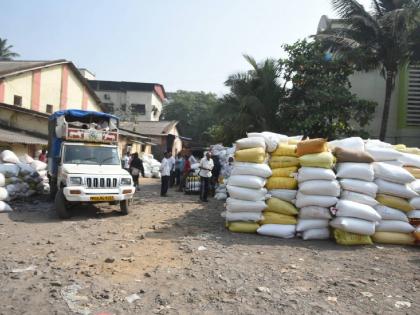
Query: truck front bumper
{"points": [[82, 194]]}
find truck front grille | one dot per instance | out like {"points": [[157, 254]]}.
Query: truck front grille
{"points": [[101, 182]]}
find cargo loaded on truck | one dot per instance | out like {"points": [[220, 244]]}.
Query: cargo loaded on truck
{"points": [[84, 165]]}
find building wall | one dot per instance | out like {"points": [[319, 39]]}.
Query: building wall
{"points": [[24, 121], [18, 85], [75, 92], [50, 88]]}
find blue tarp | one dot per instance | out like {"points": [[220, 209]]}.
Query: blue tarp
{"points": [[77, 113]]}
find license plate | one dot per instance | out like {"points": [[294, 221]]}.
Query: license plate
{"points": [[102, 198]]}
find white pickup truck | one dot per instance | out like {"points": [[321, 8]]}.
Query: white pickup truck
{"points": [[84, 165]]}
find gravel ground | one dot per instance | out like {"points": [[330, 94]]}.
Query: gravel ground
{"points": [[174, 256]]}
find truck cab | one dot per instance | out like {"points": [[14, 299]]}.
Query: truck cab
{"points": [[84, 165]]}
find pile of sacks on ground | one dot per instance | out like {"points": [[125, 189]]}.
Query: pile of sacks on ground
{"points": [[151, 166], [223, 154], [20, 177], [373, 195]]}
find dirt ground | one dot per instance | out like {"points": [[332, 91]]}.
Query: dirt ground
{"points": [[174, 256]]}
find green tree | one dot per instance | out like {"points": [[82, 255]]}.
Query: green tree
{"points": [[5, 51], [194, 111], [385, 39], [319, 102]]}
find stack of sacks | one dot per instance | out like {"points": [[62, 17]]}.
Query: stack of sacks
{"points": [[355, 215], [246, 186], [393, 182], [280, 215], [4, 207], [318, 189], [151, 166], [383, 152], [22, 177]]}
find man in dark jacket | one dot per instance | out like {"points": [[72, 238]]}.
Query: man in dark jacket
{"points": [[136, 168]]}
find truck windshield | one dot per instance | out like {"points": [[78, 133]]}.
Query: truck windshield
{"points": [[87, 154]]}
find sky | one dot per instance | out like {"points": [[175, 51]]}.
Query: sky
{"points": [[183, 44]]}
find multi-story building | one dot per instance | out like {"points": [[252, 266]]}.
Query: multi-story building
{"points": [[131, 101]]}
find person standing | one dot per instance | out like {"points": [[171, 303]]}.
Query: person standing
{"points": [[185, 172], [165, 170], [172, 176], [179, 167], [136, 168], [206, 166], [43, 156], [126, 161]]}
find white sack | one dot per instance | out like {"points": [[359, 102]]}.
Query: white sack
{"points": [[358, 197], [314, 212], [307, 224], [416, 186], [277, 230], [244, 216], [388, 213], [414, 214], [320, 187], [247, 194], [394, 163], [9, 170], [255, 169], [354, 225], [270, 142], [394, 226], [39, 165], [252, 142], [8, 156], [25, 169], [316, 234], [312, 173], [347, 208], [2, 180], [26, 159], [220, 196], [247, 181], [415, 202], [303, 200], [4, 207], [392, 173], [409, 159], [360, 186], [284, 194], [376, 143], [393, 189], [383, 154], [362, 171], [3, 193], [353, 143], [237, 205]]}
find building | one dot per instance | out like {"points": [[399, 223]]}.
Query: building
{"points": [[131, 101], [164, 133], [404, 116], [31, 90]]}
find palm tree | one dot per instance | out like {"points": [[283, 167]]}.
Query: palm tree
{"points": [[386, 38], [5, 51]]}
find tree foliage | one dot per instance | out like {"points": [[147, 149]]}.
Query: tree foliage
{"points": [[6, 52]]}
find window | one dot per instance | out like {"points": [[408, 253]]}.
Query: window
{"points": [[109, 107], [107, 97], [413, 96], [17, 100], [138, 109], [49, 109], [123, 107]]}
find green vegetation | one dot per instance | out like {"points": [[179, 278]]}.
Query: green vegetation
{"points": [[6, 52]]}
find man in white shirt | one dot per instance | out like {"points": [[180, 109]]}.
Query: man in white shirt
{"points": [[126, 161], [206, 166], [165, 171]]}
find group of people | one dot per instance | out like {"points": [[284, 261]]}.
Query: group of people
{"points": [[134, 165]]}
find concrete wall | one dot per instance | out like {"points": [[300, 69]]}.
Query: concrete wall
{"points": [[50, 88], [18, 85]]}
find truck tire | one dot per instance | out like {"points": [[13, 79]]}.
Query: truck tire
{"points": [[61, 206], [125, 207], [53, 187]]}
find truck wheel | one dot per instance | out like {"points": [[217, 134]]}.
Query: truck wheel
{"points": [[124, 207], [60, 203], [53, 187]]}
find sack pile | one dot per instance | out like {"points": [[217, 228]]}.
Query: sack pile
{"points": [[318, 189], [20, 177], [223, 153], [280, 215], [246, 186], [151, 166]]}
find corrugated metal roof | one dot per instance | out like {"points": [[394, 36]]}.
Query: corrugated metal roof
{"points": [[150, 128], [19, 137]]}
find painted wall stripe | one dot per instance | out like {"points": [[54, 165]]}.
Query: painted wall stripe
{"points": [[2, 91], [36, 90], [85, 98], [64, 86]]}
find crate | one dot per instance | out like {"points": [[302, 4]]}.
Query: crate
{"points": [[192, 184]]}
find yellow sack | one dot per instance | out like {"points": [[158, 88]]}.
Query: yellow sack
{"points": [[394, 202], [283, 161], [347, 238], [254, 155], [284, 171], [280, 206], [277, 218], [393, 238], [293, 141], [243, 227], [285, 149], [281, 183], [323, 159], [414, 171]]}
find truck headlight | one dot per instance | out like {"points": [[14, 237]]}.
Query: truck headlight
{"points": [[126, 181], [75, 181]]}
